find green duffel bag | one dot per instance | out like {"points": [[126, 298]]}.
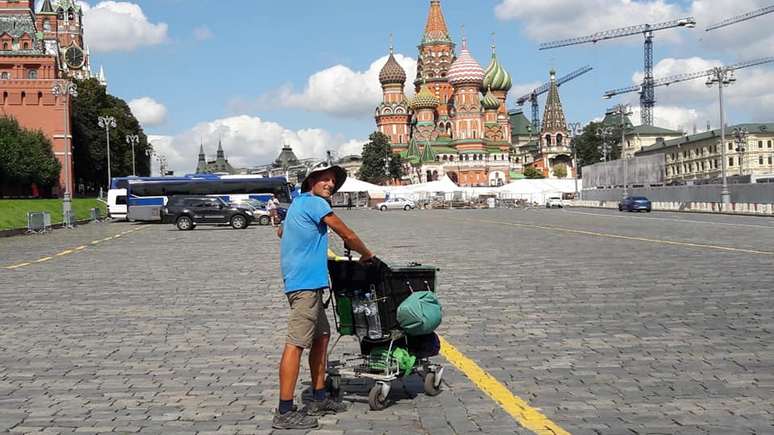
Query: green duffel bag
{"points": [[420, 313]]}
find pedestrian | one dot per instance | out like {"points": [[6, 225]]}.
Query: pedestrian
{"points": [[271, 207], [303, 260], [349, 201]]}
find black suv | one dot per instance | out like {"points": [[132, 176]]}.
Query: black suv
{"points": [[188, 211]]}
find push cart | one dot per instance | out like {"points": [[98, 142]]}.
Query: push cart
{"points": [[381, 288]]}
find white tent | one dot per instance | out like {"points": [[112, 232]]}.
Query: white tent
{"points": [[536, 190], [352, 185]]}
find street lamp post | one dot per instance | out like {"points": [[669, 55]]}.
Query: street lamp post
{"points": [[604, 133], [133, 139], [66, 89], [107, 122], [740, 137], [576, 129], [623, 112], [722, 76]]}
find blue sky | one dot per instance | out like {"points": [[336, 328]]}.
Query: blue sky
{"points": [[244, 73]]}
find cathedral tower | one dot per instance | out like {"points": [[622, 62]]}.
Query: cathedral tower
{"points": [[436, 54], [393, 116], [554, 132], [498, 81], [467, 77]]}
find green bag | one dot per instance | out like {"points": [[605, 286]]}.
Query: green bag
{"points": [[420, 313]]}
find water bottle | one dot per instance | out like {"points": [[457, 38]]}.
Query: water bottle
{"points": [[372, 315], [359, 313]]}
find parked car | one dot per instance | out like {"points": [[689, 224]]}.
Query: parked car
{"points": [[258, 208], [188, 211], [554, 201], [396, 204], [634, 203]]}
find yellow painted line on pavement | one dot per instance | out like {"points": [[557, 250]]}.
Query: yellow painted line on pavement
{"points": [[68, 251], [622, 237], [685, 221], [527, 416], [16, 266]]}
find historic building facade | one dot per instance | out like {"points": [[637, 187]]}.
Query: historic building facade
{"points": [[36, 50], [698, 156], [457, 124]]}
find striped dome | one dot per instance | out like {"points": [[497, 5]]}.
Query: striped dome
{"points": [[392, 72], [425, 99], [490, 102], [496, 77], [465, 69]]}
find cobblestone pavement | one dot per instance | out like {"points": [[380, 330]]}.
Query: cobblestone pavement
{"points": [[608, 323]]}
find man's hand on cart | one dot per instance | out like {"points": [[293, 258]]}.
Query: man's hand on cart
{"points": [[368, 260]]}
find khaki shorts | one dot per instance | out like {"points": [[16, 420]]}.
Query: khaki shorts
{"points": [[307, 319]]}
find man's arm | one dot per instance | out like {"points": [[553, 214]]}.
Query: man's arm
{"points": [[350, 238]]}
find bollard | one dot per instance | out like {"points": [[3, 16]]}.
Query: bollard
{"points": [[38, 222]]}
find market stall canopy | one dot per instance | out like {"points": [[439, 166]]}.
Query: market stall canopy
{"points": [[354, 185]]}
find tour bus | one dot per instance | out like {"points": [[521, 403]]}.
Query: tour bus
{"points": [[116, 197], [145, 197]]}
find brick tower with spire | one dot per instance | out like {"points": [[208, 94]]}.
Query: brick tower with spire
{"points": [[554, 135]]}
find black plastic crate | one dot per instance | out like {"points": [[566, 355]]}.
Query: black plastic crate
{"points": [[391, 283]]}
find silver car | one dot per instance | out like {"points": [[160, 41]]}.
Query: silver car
{"points": [[396, 204]]}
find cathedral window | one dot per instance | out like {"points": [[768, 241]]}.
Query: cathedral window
{"points": [[26, 45], [32, 74], [5, 45], [46, 25], [4, 75], [60, 14], [70, 15], [559, 140]]}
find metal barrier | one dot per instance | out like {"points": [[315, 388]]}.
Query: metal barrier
{"points": [[95, 215], [38, 222]]}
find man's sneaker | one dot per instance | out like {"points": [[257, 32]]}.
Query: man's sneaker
{"points": [[294, 419], [325, 407]]}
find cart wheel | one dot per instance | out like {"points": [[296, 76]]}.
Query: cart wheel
{"points": [[377, 400], [333, 385], [430, 385]]}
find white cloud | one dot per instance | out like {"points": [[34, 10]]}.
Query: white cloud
{"points": [[548, 20], [148, 111], [338, 90], [119, 26], [248, 141], [750, 98], [203, 33], [744, 40]]}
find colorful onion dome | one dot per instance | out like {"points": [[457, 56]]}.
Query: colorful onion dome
{"points": [[392, 72], [465, 69], [490, 102], [425, 99], [496, 77]]}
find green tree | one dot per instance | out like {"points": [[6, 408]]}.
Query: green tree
{"points": [[560, 170], [89, 140], [375, 155], [26, 157], [533, 172], [395, 167], [589, 144]]}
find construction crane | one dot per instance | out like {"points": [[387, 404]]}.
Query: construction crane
{"points": [[648, 96], [533, 95], [666, 81], [744, 17]]}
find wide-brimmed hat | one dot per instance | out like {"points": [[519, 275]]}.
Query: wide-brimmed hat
{"points": [[338, 172]]}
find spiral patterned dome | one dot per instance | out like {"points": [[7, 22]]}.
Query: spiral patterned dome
{"points": [[490, 102], [425, 99], [392, 72], [496, 77], [465, 70]]}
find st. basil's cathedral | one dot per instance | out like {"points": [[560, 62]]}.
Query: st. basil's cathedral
{"points": [[458, 123]]}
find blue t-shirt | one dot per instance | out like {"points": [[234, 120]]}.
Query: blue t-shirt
{"points": [[304, 245]]}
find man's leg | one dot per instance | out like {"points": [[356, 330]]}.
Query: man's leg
{"points": [[288, 372], [317, 361]]}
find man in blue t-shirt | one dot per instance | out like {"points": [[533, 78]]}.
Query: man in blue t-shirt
{"points": [[304, 264]]}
